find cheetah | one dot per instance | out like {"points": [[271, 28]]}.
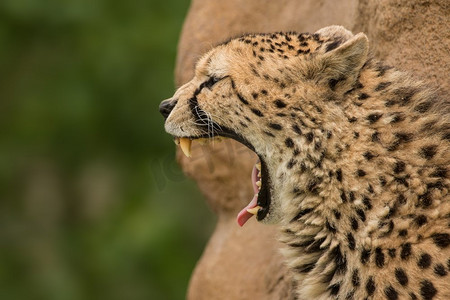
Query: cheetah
{"points": [[353, 159]]}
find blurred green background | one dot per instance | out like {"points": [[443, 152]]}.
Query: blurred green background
{"points": [[93, 205]]}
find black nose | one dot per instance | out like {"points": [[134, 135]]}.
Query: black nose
{"points": [[166, 107]]}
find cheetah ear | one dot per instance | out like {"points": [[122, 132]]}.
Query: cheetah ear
{"points": [[340, 65], [335, 32]]}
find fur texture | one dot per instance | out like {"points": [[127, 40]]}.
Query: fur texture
{"points": [[357, 155]]}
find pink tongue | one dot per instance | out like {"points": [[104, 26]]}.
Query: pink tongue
{"points": [[244, 215]]}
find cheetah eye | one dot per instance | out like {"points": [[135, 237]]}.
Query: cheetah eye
{"points": [[211, 81]]}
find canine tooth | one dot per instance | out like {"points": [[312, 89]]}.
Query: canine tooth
{"points": [[258, 166], [185, 145], [177, 141], [254, 210]]}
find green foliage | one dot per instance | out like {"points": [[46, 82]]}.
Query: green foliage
{"points": [[92, 203]]}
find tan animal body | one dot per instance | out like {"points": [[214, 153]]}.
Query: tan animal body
{"points": [[354, 159]]}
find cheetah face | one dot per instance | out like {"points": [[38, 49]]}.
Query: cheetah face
{"points": [[211, 105], [248, 89]]}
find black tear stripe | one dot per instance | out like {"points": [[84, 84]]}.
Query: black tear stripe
{"points": [[201, 118]]}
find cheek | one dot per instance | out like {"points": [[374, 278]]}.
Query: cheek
{"points": [[222, 105]]}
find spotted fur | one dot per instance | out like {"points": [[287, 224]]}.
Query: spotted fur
{"points": [[357, 152]]}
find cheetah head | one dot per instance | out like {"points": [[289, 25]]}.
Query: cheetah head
{"points": [[250, 89]]}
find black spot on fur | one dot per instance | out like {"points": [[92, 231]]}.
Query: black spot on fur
{"points": [[367, 203], [391, 252], [337, 214], [440, 270], [361, 214], [351, 241], [425, 200], [436, 185], [330, 227], [306, 268], [351, 196], [255, 95], [400, 137], [339, 175], [389, 103], [424, 261], [399, 167], [403, 232], [309, 137], [401, 276], [297, 129], [361, 173], [428, 152], [398, 117], [402, 180], [343, 197], [423, 106], [355, 278], [334, 288], [382, 86], [372, 118], [257, 112], [354, 223], [381, 69], [413, 296], [442, 240], [312, 186], [379, 257], [289, 143], [382, 180], [370, 286], [390, 227], [279, 103], [363, 96], [352, 119], [355, 134], [376, 137], [404, 95], [339, 259], [315, 246], [391, 293], [302, 212], [368, 155], [405, 252], [365, 256], [420, 220], [401, 199], [427, 290], [291, 163], [275, 126], [268, 133]]}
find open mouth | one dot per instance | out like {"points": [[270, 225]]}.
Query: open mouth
{"points": [[260, 203]]}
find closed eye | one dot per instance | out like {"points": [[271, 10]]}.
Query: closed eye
{"points": [[212, 81]]}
